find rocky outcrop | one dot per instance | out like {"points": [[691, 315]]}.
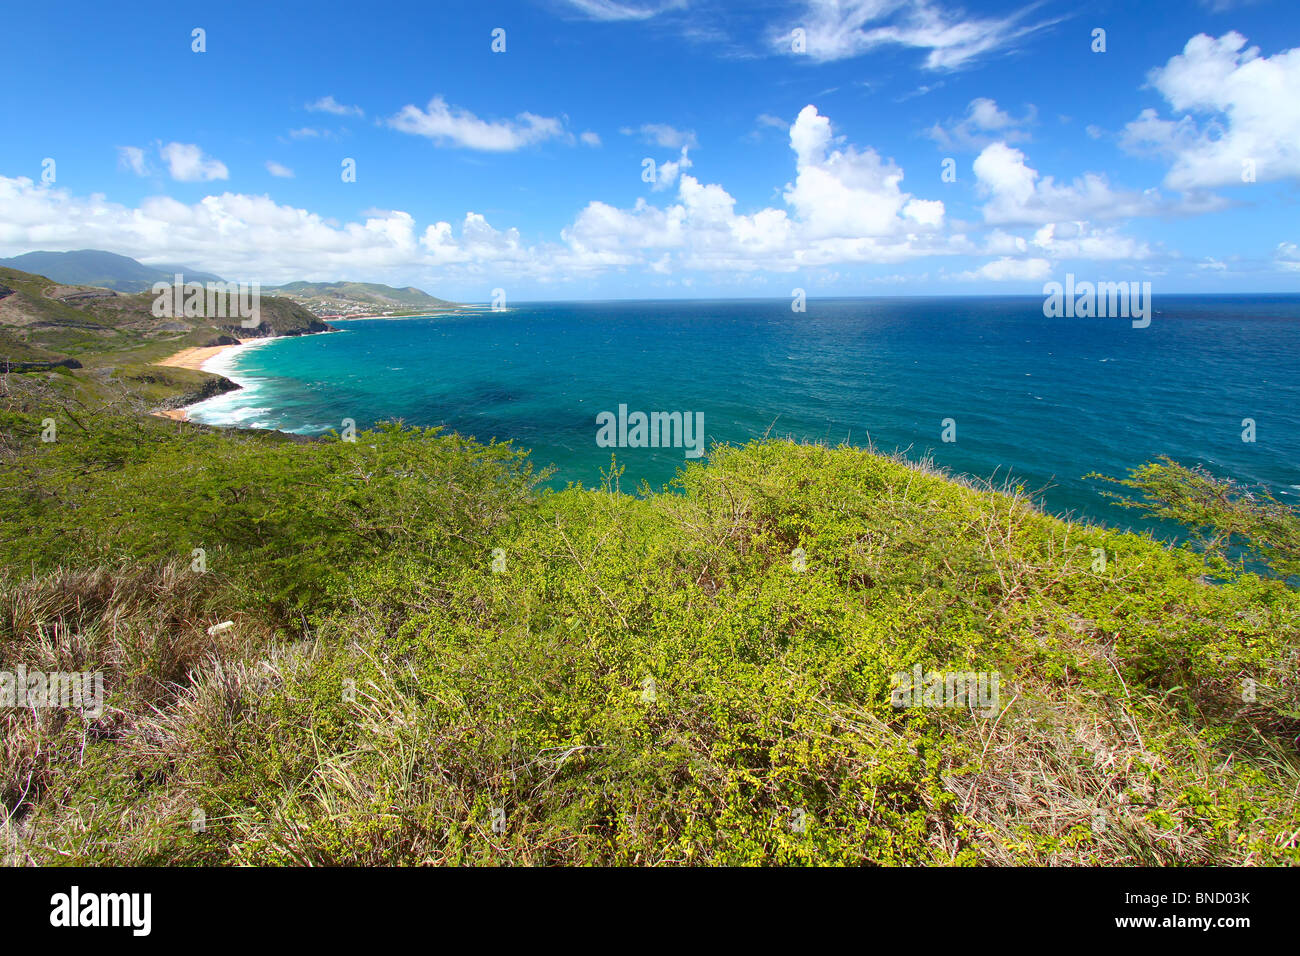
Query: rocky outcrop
{"points": [[8, 366]]}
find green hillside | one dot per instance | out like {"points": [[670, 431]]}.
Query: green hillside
{"points": [[399, 650], [341, 298], [99, 345]]}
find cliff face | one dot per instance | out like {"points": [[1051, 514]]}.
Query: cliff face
{"points": [[283, 317]]}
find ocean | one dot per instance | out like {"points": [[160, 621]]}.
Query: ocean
{"points": [[1042, 401]]}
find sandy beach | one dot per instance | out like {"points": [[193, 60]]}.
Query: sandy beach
{"points": [[195, 357]]}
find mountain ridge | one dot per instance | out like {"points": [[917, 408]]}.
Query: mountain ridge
{"points": [[101, 269], [347, 298]]}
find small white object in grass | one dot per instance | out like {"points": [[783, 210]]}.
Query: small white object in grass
{"points": [[216, 629]]}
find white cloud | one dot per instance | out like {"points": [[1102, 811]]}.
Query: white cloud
{"points": [[253, 237], [846, 193], [307, 132], [327, 104], [132, 158], [187, 164], [458, 127], [983, 123], [1007, 269], [602, 229], [837, 29], [1080, 240], [1016, 193], [1067, 240], [611, 10], [845, 205], [1000, 243], [1251, 110], [666, 172], [278, 170], [1287, 256], [661, 134], [1223, 6], [590, 139]]}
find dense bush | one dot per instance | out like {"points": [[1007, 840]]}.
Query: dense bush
{"points": [[434, 662]]}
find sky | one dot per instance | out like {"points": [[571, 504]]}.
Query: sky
{"points": [[602, 149]]}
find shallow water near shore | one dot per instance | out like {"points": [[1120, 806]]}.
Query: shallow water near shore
{"points": [[1042, 400]]}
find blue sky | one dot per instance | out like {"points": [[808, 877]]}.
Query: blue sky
{"points": [[818, 168]]}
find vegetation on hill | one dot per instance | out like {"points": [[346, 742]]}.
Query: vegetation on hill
{"points": [[433, 659], [97, 347], [341, 298]]}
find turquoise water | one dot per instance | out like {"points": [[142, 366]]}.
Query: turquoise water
{"points": [[1043, 400]]}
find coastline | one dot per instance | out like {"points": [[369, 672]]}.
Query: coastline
{"points": [[465, 310], [203, 359], [195, 357]]}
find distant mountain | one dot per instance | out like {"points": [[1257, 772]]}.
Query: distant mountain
{"points": [[99, 268], [348, 298]]}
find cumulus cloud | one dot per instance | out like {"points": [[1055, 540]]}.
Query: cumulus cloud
{"points": [[255, 238], [1234, 107], [846, 192], [590, 139], [666, 172], [984, 123], [327, 104], [1081, 240], [278, 170], [1008, 269], [239, 235], [844, 205], [1287, 256], [1015, 193], [838, 29], [187, 164], [459, 127]]}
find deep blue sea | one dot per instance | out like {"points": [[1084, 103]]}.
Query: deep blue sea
{"points": [[1042, 400]]}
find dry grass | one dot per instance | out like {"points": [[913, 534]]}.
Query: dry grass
{"points": [[146, 630]]}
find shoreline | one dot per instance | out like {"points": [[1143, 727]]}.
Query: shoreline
{"points": [[195, 357], [198, 359], [475, 310]]}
